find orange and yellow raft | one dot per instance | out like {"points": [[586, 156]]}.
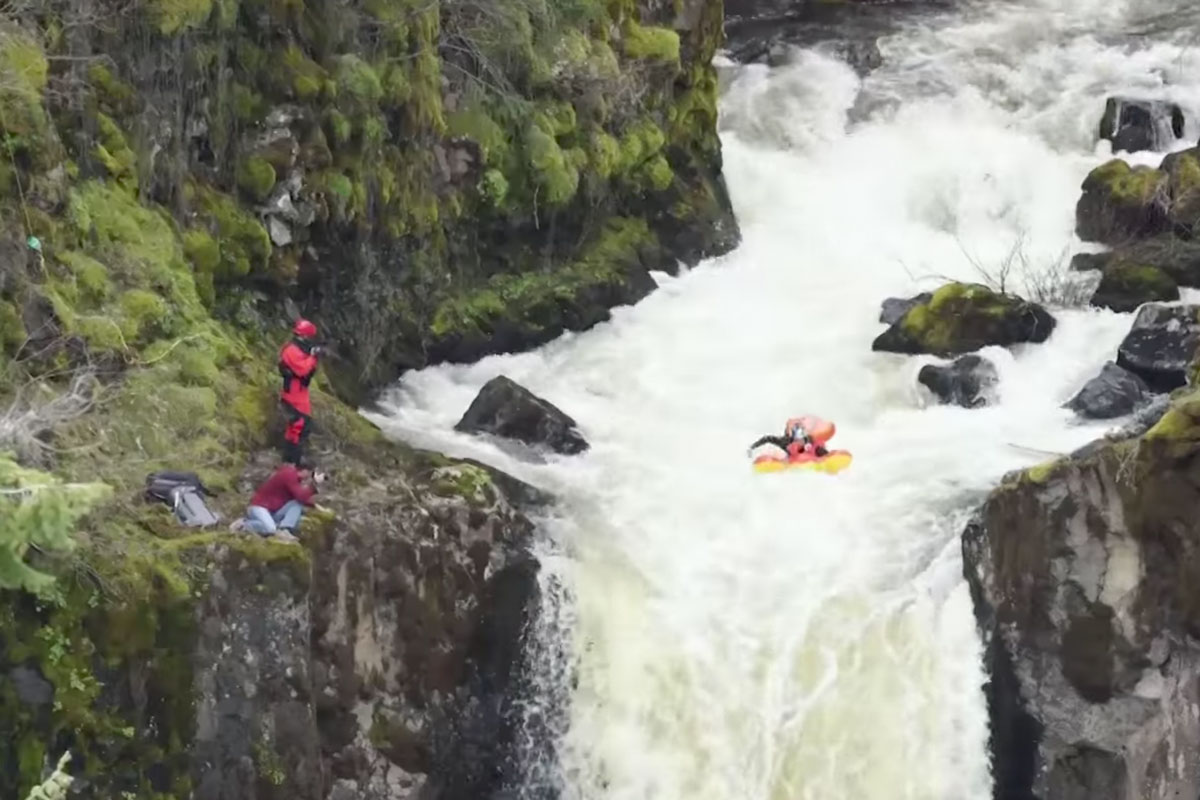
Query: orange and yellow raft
{"points": [[832, 462]]}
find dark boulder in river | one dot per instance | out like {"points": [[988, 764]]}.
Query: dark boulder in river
{"points": [[505, 408], [1115, 392], [1132, 125], [966, 382], [1161, 344], [962, 317]]}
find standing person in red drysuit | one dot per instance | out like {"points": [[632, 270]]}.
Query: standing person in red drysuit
{"points": [[297, 364]]}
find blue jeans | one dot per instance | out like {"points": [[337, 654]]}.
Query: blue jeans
{"points": [[261, 521]]}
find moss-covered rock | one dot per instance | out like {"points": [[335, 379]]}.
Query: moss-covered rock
{"points": [[1183, 173], [1124, 287], [1120, 202], [515, 312], [960, 318]]}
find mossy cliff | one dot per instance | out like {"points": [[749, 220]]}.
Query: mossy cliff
{"points": [[390, 166], [429, 181]]}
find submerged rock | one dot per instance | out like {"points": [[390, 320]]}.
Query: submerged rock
{"points": [[1120, 202], [1161, 344], [960, 318], [1115, 392], [1133, 124], [1083, 575], [893, 309], [1125, 286], [505, 408], [967, 382]]}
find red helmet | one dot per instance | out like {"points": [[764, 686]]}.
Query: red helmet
{"points": [[304, 328]]}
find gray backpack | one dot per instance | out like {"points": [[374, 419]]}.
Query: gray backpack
{"points": [[184, 492]]}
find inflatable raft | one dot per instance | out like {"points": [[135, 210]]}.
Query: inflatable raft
{"points": [[832, 462]]}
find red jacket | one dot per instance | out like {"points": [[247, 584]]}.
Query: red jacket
{"points": [[281, 487], [297, 368]]}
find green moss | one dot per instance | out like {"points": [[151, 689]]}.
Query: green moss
{"points": [[102, 333], [1125, 185], [23, 65], [90, 276], [340, 129], [202, 250], [604, 153], [537, 302], [143, 314], [475, 124], [114, 95], [494, 187], [1181, 423], [306, 78], [357, 82], [641, 142], [656, 174], [12, 329], [248, 105], [244, 243], [1125, 286], [256, 177], [177, 16], [557, 180], [1042, 472], [651, 44], [464, 480]]}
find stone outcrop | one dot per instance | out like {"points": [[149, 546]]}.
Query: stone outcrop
{"points": [[1161, 345], [1083, 574], [1115, 392]]}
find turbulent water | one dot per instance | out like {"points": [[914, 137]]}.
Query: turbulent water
{"points": [[752, 637]]}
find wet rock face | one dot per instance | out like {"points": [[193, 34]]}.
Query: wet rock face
{"points": [[419, 607], [1115, 392], [1161, 345], [256, 731], [505, 408], [967, 382], [1083, 580], [1133, 124]]}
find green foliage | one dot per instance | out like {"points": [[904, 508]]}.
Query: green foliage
{"points": [[38, 511], [474, 123], [177, 16], [656, 174], [90, 276], [256, 177], [248, 105]]}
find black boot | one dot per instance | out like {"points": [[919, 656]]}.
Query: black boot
{"points": [[291, 453]]}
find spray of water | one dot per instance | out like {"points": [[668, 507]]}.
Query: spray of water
{"points": [[788, 636]]}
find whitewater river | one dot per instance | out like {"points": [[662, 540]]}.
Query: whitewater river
{"points": [[752, 637]]}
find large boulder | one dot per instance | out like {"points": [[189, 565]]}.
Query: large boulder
{"points": [[505, 408], [961, 317], [967, 382], [1084, 577], [1125, 286], [1160, 345], [1183, 178], [1115, 392], [893, 309], [1179, 258], [1120, 202], [1132, 125]]}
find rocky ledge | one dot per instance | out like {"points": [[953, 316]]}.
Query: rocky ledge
{"points": [[1083, 573]]}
